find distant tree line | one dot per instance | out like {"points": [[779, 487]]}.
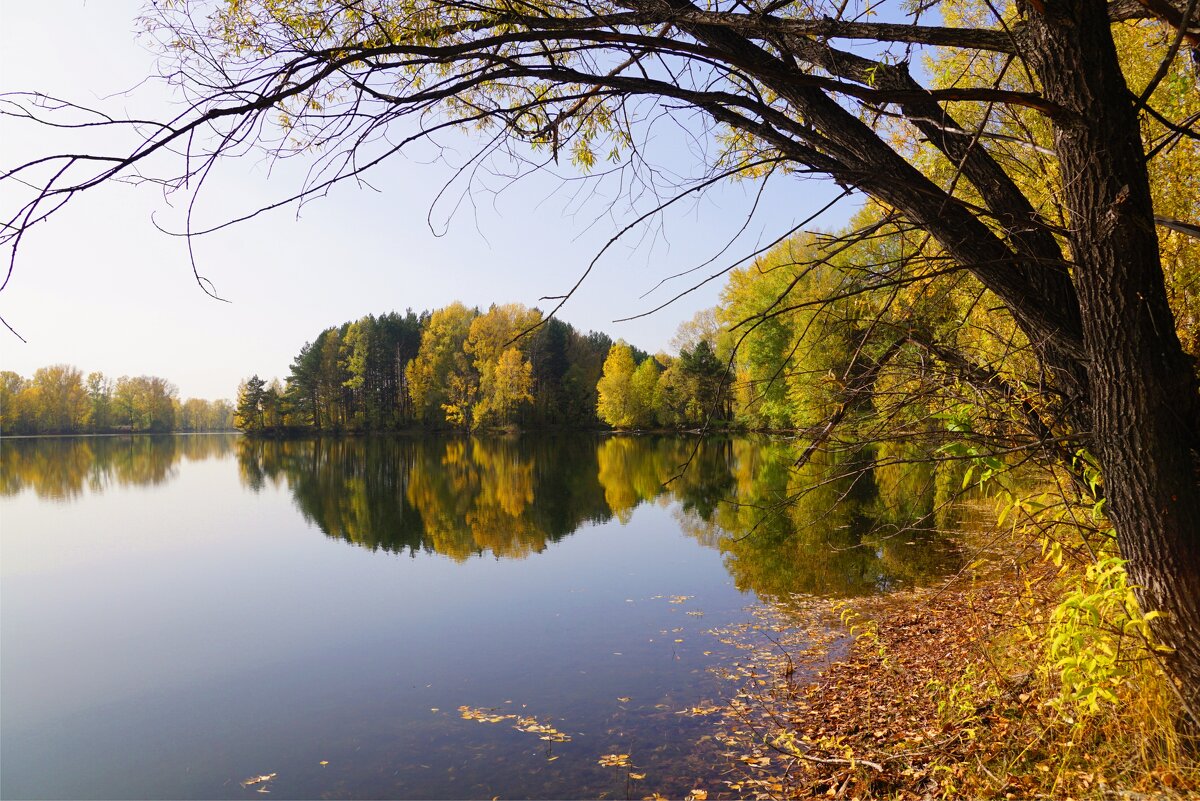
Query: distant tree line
{"points": [[60, 400], [461, 368], [452, 368]]}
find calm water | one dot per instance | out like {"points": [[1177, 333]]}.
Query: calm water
{"points": [[178, 614]]}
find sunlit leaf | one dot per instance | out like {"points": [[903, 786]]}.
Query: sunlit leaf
{"points": [[614, 760], [253, 780]]}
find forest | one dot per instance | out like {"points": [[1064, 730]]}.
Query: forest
{"points": [[60, 400], [452, 368], [460, 368]]}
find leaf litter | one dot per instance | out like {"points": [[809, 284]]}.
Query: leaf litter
{"points": [[526, 723]]}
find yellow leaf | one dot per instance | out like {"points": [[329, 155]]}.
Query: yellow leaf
{"points": [[614, 760], [266, 777]]}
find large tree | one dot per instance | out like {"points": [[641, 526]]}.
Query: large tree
{"points": [[773, 87]]}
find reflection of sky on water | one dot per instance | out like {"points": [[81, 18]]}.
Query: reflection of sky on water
{"points": [[169, 637]]}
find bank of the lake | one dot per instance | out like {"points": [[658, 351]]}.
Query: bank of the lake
{"points": [[951, 691]]}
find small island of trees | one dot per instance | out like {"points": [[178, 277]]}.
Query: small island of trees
{"points": [[465, 369]]}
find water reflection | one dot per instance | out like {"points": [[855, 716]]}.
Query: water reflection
{"points": [[457, 497], [61, 468], [843, 524]]}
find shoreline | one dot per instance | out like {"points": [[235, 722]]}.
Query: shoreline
{"points": [[933, 693]]}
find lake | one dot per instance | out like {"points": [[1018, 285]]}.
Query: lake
{"points": [[181, 614]]}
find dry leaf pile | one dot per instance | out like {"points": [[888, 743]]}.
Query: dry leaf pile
{"points": [[910, 702]]}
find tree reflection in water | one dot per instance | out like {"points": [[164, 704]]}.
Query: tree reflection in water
{"points": [[61, 468], [841, 525]]}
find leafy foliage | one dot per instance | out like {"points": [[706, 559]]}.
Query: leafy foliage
{"points": [[57, 400]]}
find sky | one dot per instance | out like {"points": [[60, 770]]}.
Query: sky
{"points": [[100, 287]]}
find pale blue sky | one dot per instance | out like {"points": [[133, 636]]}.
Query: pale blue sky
{"points": [[100, 288]]}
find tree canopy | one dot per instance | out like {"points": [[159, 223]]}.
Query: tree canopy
{"points": [[59, 399]]}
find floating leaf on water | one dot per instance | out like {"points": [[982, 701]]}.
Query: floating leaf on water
{"points": [[434, 709], [637, 777], [323, 762], [700, 710], [253, 780], [756, 762], [624, 699], [532, 725], [614, 760], [551, 759], [482, 715], [698, 795]]}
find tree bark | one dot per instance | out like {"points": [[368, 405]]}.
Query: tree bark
{"points": [[1145, 405]]}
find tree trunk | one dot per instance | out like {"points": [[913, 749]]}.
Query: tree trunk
{"points": [[1145, 405]]}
